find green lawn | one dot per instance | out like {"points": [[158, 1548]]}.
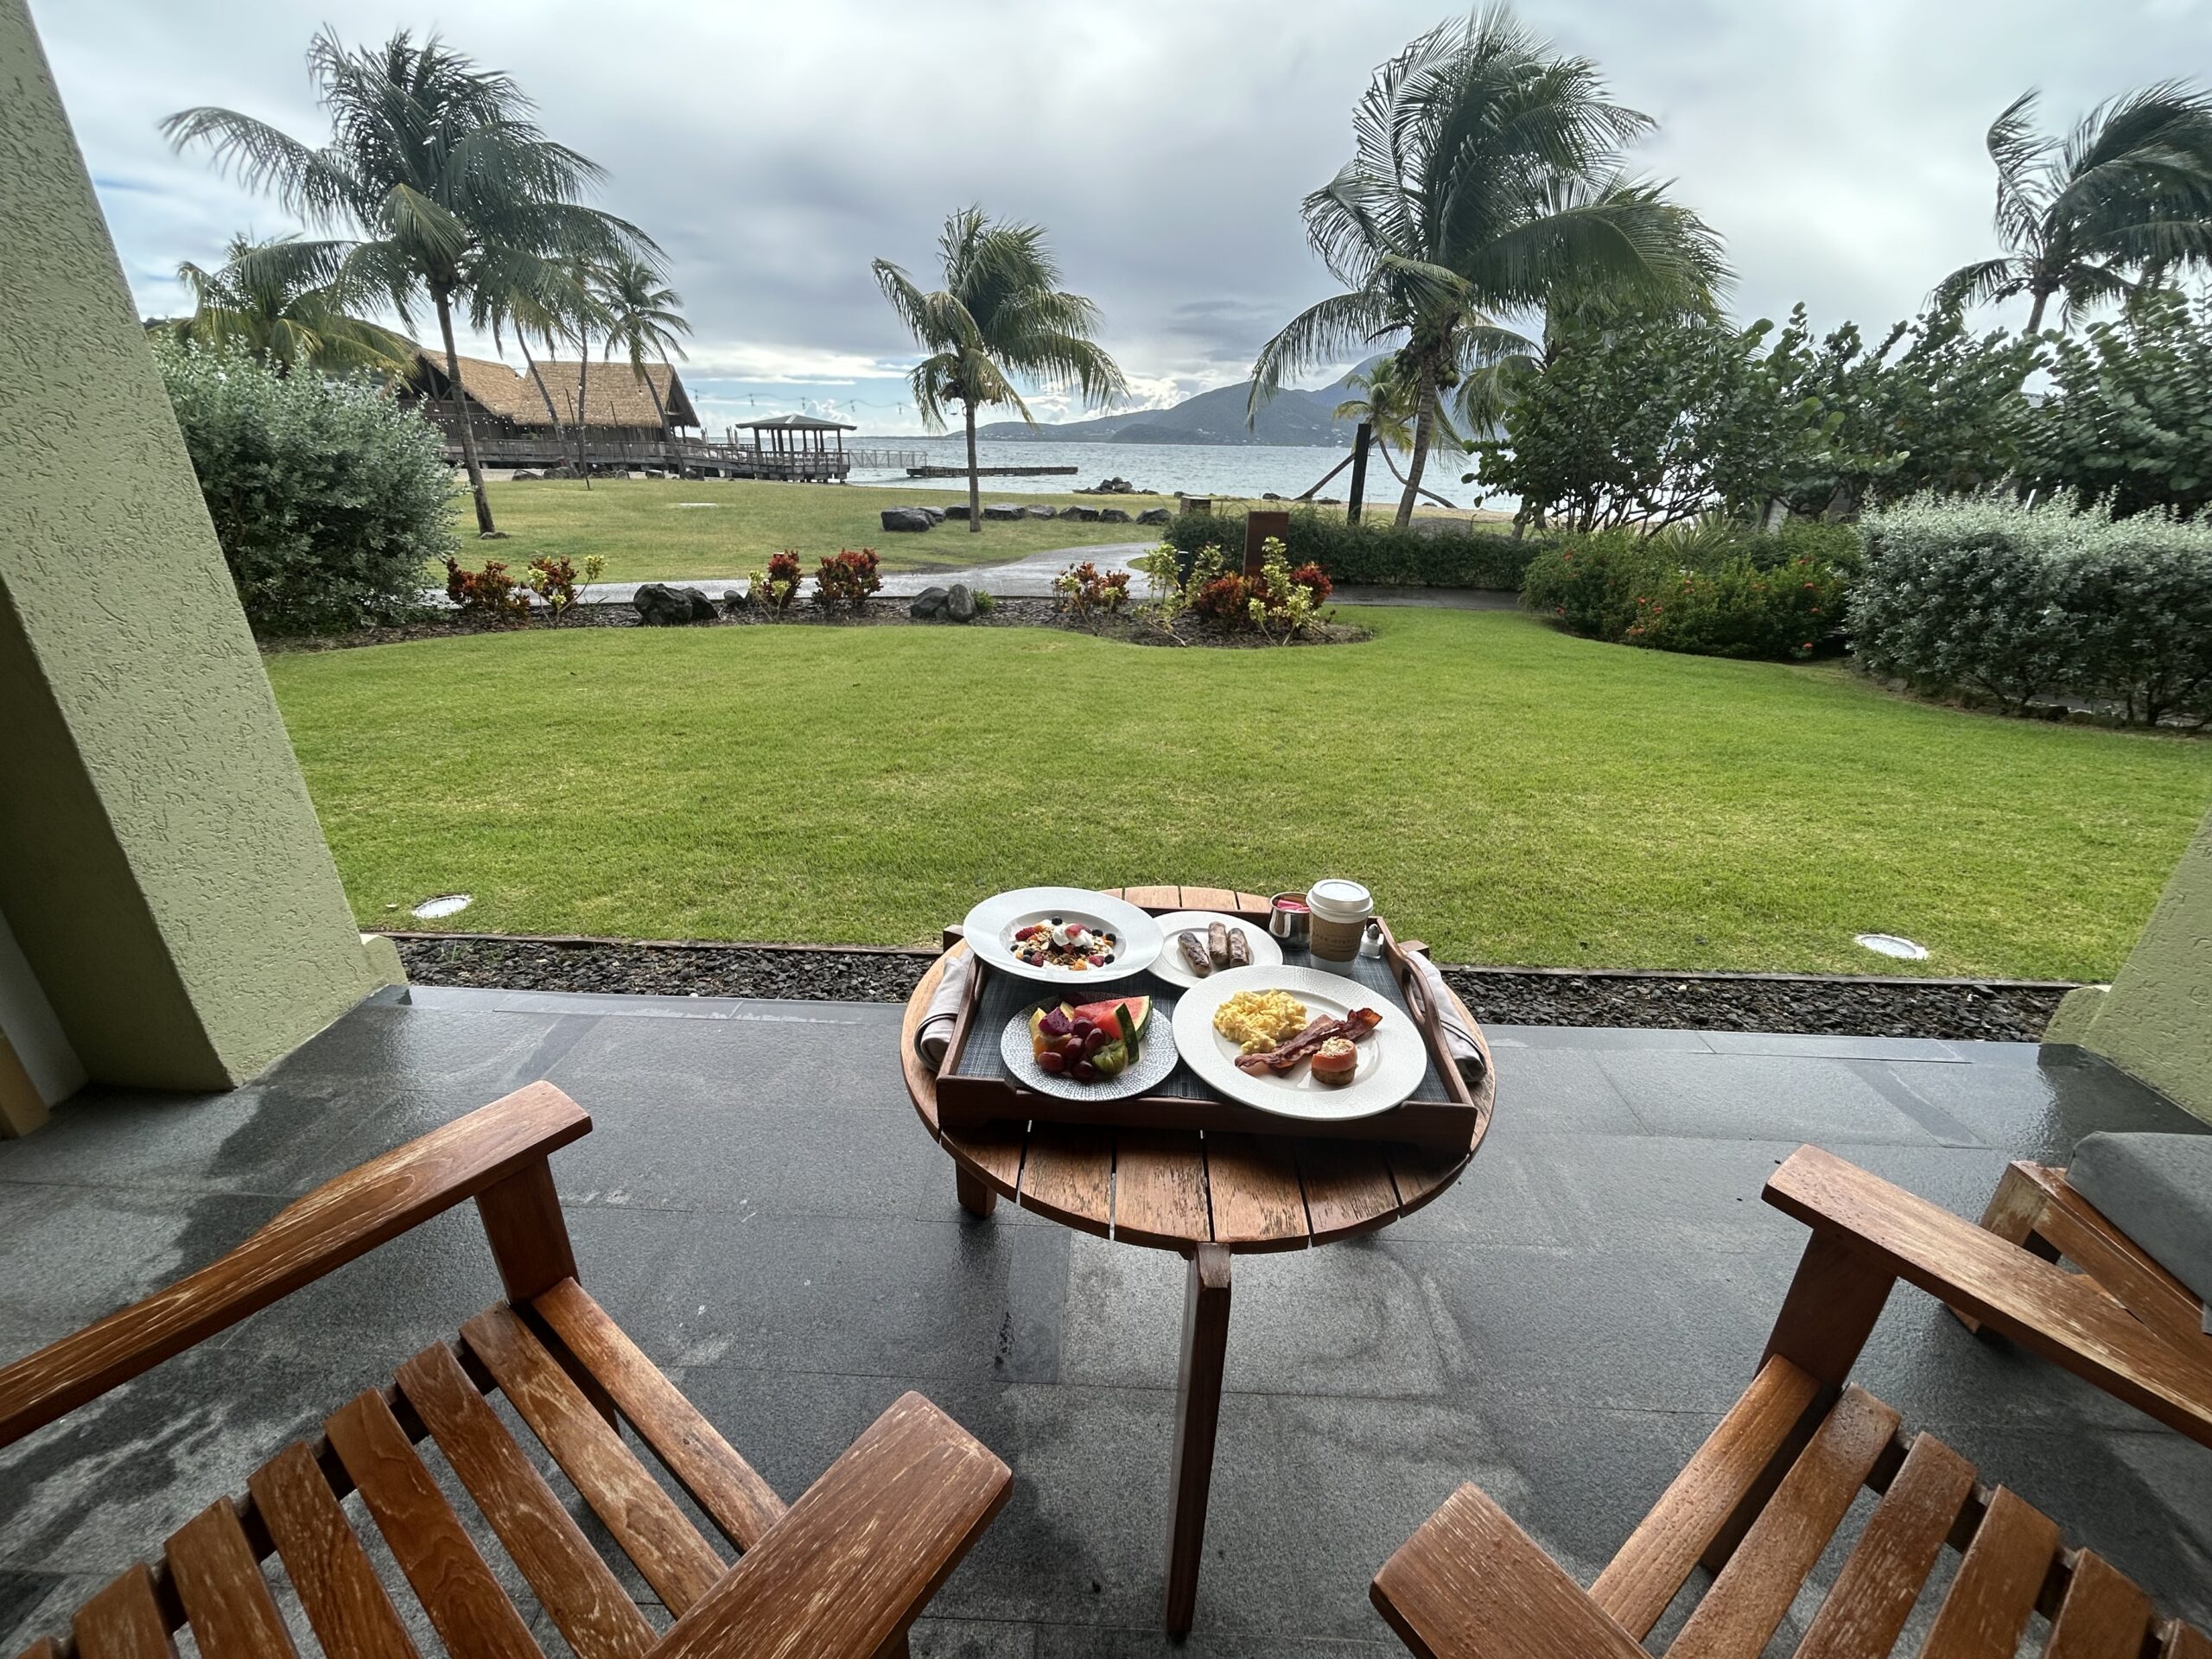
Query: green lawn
{"points": [[1513, 795], [638, 526]]}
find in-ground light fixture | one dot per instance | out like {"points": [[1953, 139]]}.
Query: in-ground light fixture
{"points": [[1887, 944], [451, 903]]}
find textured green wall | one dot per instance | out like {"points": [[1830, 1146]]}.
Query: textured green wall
{"points": [[2155, 1021], [160, 864]]}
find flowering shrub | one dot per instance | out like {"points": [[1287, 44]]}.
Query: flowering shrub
{"points": [[489, 594], [847, 580], [554, 581], [1083, 589], [2020, 603], [1280, 602], [775, 589]]}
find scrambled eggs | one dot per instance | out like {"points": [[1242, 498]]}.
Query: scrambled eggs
{"points": [[1259, 1020]]}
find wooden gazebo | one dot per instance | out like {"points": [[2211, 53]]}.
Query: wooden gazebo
{"points": [[799, 447]]}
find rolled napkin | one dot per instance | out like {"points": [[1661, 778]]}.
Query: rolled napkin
{"points": [[934, 1034], [1430, 992]]}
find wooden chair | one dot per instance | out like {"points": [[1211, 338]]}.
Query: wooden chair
{"points": [[843, 1571], [2035, 1209], [1768, 1490]]}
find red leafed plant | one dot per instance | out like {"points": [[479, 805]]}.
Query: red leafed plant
{"points": [[1313, 576], [1083, 589], [847, 580], [489, 593], [1225, 599]]}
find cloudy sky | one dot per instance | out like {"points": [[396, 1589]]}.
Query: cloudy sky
{"points": [[775, 149]]}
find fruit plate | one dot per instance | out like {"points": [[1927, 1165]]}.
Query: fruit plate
{"points": [[1393, 1058], [1169, 964], [1156, 1059], [991, 925]]}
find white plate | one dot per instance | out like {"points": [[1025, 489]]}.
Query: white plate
{"points": [[1156, 1059], [1393, 1058], [1170, 965], [991, 925]]}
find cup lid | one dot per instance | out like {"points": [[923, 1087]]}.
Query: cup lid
{"points": [[1336, 893]]}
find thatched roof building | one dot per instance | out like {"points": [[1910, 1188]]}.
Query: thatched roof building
{"points": [[506, 402]]}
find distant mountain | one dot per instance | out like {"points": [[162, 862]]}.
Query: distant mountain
{"points": [[1215, 417]]}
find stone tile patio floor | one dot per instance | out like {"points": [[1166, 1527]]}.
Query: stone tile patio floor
{"points": [[760, 1207]]}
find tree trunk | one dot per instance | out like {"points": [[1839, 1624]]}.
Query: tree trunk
{"points": [[2035, 312], [1424, 424], [1361, 440], [974, 481], [544, 390], [583, 409], [667, 437], [484, 525], [1383, 450]]}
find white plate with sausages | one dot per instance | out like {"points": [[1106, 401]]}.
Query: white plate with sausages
{"points": [[1173, 966]]}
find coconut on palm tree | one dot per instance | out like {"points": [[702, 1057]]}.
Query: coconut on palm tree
{"points": [[1382, 400], [1486, 179], [257, 298], [640, 315], [435, 176], [1000, 314], [2124, 198]]}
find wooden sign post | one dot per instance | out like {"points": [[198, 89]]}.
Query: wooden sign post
{"points": [[1258, 527]]}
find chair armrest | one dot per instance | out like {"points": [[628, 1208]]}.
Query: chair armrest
{"points": [[344, 1218], [1471, 1585], [2065, 1317], [846, 1570]]}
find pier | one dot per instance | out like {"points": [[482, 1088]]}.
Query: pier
{"points": [[989, 471]]}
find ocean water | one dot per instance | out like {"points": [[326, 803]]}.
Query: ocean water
{"points": [[1189, 469]]}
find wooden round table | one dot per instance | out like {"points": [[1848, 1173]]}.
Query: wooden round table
{"points": [[1208, 1195]]}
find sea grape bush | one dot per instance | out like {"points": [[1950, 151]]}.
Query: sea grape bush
{"points": [[330, 500], [489, 594], [845, 581], [2021, 604], [1083, 589]]}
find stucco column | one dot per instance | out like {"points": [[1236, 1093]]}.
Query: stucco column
{"points": [[161, 868], [2154, 1021]]}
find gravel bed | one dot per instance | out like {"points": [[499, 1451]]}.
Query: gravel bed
{"points": [[1997, 1011]]}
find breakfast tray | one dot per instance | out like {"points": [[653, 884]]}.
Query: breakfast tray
{"points": [[973, 1086]]}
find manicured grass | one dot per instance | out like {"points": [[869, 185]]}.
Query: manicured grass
{"points": [[639, 527], [1512, 795]]}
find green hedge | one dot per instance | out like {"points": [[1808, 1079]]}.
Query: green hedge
{"points": [[2024, 604], [1379, 555], [1715, 590], [331, 499]]}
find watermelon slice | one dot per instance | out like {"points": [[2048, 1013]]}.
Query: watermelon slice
{"points": [[1109, 1015]]}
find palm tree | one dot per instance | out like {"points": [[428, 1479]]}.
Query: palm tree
{"points": [[1485, 178], [1384, 401], [640, 316], [257, 299], [1000, 313], [550, 302], [2121, 199], [438, 176]]}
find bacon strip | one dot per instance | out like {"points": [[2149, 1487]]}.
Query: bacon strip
{"points": [[1356, 1025]]}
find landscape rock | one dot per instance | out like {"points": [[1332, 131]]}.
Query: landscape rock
{"points": [[1153, 516], [958, 510], [929, 604], [1037, 510], [960, 602], [491, 535], [1002, 512], [1270, 496], [937, 514], [1112, 486], [659, 606], [907, 518], [1112, 516], [521, 478], [1088, 515], [733, 600]]}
